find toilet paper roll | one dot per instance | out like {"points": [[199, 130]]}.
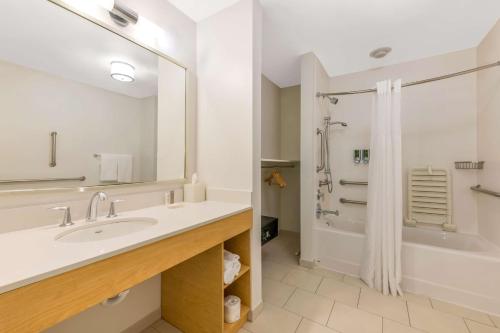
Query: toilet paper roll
{"points": [[232, 308]]}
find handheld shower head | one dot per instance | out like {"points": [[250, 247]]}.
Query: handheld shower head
{"points": [[341, 123]]}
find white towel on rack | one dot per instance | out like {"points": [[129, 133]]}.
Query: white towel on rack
{"points": [[125, 168], [109, 168]]}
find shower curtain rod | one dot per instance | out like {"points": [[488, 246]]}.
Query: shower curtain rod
{"points": [[414, 83]]}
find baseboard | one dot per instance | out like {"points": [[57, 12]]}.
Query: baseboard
{"points": [[252, 315], [307, 263], [452, 295], [145, 322]]}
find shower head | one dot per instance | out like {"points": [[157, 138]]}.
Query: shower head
{"points": [[341, 123], [333, 100]]}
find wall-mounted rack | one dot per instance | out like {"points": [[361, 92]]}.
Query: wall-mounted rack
{"points": [[275, 164], [352, 182], [469, 165], [354, 202], [42, 180], [479, 189]]}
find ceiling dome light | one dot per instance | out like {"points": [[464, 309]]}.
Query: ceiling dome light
{"points": [[380, 52], [121, 71]]}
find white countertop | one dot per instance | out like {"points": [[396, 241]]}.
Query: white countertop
{"points": [[31, 255]]}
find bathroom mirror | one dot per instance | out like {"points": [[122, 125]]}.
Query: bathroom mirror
{"points": [[83, 106]]}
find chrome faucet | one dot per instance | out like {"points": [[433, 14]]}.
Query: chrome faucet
{"points": [[321, 212], [92, 210]]}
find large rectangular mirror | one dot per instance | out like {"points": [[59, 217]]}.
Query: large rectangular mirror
{"points": [[83, 106]]}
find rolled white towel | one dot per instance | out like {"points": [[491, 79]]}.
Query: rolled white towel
{"points": [[232, 273], [231, 256]]}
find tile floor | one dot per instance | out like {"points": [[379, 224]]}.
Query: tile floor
{"points": [[301, 300]]}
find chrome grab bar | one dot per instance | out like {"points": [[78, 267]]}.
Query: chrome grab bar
{"points": [[478, 188], [15, 181], [351, 182], [53, 149], [354, 202], [322, 150]]}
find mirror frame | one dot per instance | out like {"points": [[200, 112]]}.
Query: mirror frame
{"points": [[121, 34]]}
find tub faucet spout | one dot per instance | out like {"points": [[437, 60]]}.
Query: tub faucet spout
{"points": [[321, 212]]}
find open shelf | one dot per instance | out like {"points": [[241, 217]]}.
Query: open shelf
{"points": [[236, 326], [270, 160], [244, 269]]}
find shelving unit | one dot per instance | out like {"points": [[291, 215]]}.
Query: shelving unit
{"points": [[241, 285], [194, 290]]}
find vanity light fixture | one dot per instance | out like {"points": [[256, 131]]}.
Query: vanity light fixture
{"points": [[123, 72], [121, 14]]}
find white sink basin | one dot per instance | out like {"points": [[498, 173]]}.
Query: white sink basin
{"points": [[105, 230]]}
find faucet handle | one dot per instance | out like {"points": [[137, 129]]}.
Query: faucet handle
{"points": [[67, 215], [112, 208]]}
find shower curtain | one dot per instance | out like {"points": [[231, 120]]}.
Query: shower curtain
{"points": [[381, 264]]}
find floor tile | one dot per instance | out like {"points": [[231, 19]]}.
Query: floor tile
{"points": [[275, 292], [339, 291], [418, 299], [149, 330], [310, 306], [275, 271], [476, 327], [496, 320], [462, 312], [328, 273], [433, 321], [163, 327], [354, 281], [273, 319], [395, 327], [307, 326], [303, 279], [386, 306], [347, 319]]}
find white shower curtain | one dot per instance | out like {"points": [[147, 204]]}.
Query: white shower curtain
{"points": [[381, 264]]}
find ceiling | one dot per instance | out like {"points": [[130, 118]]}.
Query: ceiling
{"points": [[81, 52], [198, 10], [343, 32]]}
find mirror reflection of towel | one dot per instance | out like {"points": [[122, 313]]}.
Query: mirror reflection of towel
{"points": [[116, 168]]}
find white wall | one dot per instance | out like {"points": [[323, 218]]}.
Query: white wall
{"points": [[313, 79], [229, 69], [488, 103], [438, 128], [88, 120]]}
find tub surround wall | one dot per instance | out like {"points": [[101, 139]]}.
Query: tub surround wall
{"points": [[312, 110], [488, 103], [438, 125]]}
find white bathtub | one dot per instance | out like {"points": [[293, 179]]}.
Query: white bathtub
{"points": [[458, 268]]}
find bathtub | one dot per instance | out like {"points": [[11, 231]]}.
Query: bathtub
{"points": [[458, 268]]}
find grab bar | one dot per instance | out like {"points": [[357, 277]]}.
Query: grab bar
{"points": [[354, 202], [322, 150], [352, 182], [15, 181], [53, 149], [478, 188]]}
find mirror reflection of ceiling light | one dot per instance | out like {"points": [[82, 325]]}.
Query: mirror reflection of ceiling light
{"points": [[123, 72]]}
